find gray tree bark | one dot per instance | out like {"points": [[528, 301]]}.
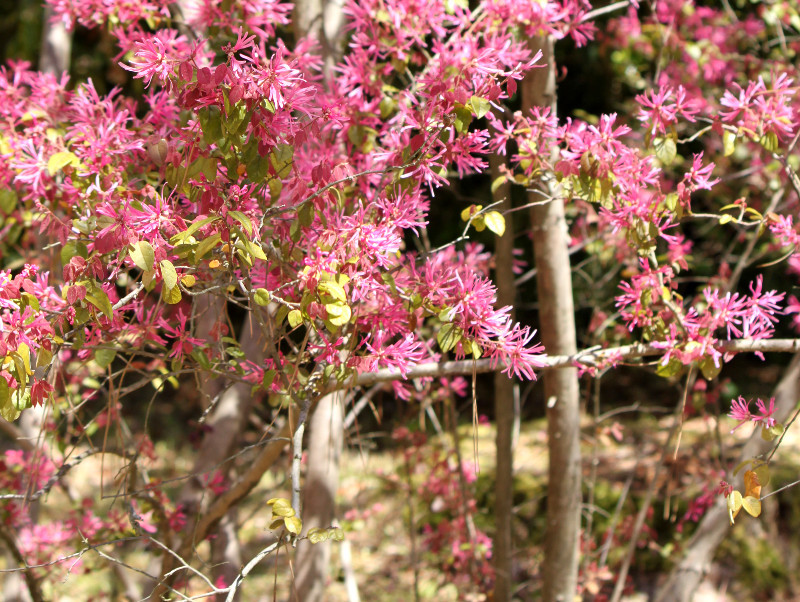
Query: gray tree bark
{"points": [[56, 45], [323, 20], [324, 446], [502, 549], [557, 329]]}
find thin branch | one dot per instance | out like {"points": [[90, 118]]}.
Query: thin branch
{"points": [[591, 357], [249, 567]]}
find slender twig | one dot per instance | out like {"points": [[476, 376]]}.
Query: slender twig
{"points": [[593, 14], [249, 567]]}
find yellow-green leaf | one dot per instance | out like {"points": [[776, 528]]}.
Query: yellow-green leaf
{"points": [[104, 357], [734, 504], [256, 251], [338, 314], [751, 505], [480, 106], [469, 212], [448, 336], [172, 296], [261, 297], [24, 352], [282, 507], [295, 318], [666, 149], [142, 255], [60, 161], [244, 220], [293, 524], [498, 182], [728, 143], [205, 245], [168, 273], [99, 299], [183, 236], [317, 535], [495, 222], [333, 290]]}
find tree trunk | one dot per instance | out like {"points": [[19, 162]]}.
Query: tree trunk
{"points": [[325, 441], [56, 45], [323, 20], [557, 323], [502, 550], [689, 572]]}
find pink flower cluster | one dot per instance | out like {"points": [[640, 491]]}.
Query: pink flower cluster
{"points": [[740, 411]]}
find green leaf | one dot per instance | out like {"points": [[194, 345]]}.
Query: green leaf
{"points": [[72, 249], [98, 297], [256, 251], [261, 297], [498, 182], [470, 211], [728, 143], [244, 220], [770, 142], [282, 157], [8, 200], [709, 369], [671, 368], [172, 295], [183, 236], [480, 106], [142, 255], [329, 290], [339, 314], [104, 357], [208, 167], [463, 117], [317, 535], [666, 149], [211, 122], [207, 244], [257, 168], [293, 524], [448, 337], [61, 160], [281, 507], [168, 273], [306, 214], [495, 221], [295, 318], [43, 357]]}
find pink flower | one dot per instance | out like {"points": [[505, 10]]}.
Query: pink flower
{"points": [[740, 411], [151, 59]]}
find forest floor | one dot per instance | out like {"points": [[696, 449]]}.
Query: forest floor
{"points": [[388, 553]]}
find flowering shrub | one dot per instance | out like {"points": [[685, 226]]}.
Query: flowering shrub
{"points": [[251, 178]]}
